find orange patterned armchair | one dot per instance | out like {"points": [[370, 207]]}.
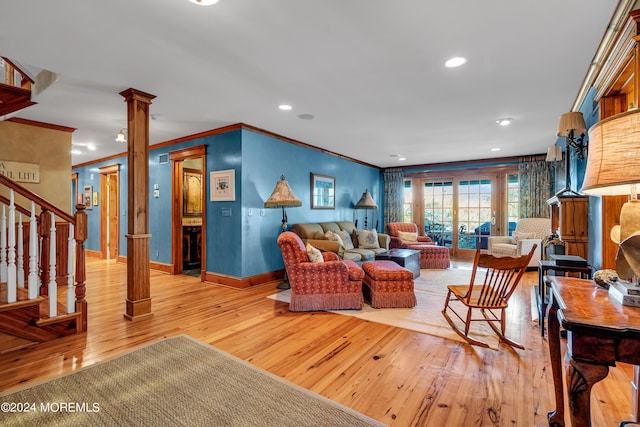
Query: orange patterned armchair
{"points": [[393, 229], [329, 285], [404, 235]]}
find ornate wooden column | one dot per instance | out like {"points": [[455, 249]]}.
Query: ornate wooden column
{"points": [[138, 284]]}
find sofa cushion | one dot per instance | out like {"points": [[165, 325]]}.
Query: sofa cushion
{"points": [[310, 230], [364, 254], [519, 235], [408, 236], [314, 254], [352, 256], [346, 240], [368, 239], [504, 249], [334, 237]]}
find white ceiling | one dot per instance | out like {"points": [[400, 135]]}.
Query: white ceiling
{"points": [[370, 71]]}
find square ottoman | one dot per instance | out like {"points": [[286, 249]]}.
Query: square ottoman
{"points": [[387, 285]]}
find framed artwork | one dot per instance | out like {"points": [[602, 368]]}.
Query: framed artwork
{"points": [[192, 192], [223, 187], [88, 197], [323, 191]]}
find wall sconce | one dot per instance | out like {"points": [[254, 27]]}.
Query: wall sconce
{"points": [[554, 153], [570, 125], [122, 135]]}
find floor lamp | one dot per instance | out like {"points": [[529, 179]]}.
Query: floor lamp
{"points": [[570, 125], [283, 197], [366, 202]]}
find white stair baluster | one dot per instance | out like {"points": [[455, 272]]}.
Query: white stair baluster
{"points": [[3, 245], [11, 264], [52, 285], [33, 282], [20, 261], [71, 297]]}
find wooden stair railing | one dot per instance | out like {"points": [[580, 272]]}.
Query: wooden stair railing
{"points": [[15, 88], [55, 258]]}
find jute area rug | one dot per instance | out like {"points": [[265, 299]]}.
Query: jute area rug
{"points": [[426, 317], [178, 382]]}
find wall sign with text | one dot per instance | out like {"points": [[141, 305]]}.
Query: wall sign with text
{"points": [[20, 172]]}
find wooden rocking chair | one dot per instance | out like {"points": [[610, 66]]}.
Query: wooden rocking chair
{"points": [[497, 279]]}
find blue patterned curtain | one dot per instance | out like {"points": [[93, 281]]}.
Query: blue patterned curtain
{"points": [[536, 187], [393, 195]]}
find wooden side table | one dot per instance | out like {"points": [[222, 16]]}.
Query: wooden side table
{"points": [[541, 297], [601, 333]]}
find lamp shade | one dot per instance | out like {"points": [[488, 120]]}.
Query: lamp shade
{"points": [[366, 201], [572, 121], [554, 153], [282, 196], [613, 164]]}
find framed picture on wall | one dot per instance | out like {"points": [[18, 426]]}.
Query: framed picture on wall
{"points": [[323, 191], [223, 187], [88, 197]]}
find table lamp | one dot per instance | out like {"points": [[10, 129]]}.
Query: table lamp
{"points": [[613, 168], [366, 202], [283, 197]]}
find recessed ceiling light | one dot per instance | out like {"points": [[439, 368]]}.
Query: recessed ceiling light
{"points": [[76, 152], [495, 149], [456, 61], [285, 107], [401, 158], [204, 2], [91, 147], [504, 121], [306, 116]]}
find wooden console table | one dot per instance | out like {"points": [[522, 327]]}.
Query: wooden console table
{"points": [[600, 333]]}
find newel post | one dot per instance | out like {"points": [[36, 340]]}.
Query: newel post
{"points": [[138, 302], [80, 234]]}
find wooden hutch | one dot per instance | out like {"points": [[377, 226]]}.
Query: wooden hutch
{"points": [[570, 221]]}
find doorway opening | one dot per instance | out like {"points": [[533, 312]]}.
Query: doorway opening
{"points": [[188, 195]]}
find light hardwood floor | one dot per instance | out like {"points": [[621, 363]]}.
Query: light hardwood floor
{"points": [[399, 377]]}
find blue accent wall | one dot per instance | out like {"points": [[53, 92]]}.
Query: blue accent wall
{"points": [[241, 234], [264, 160]]}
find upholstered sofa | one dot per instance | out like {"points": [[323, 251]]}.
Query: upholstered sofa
{"points": [[315, 233]]}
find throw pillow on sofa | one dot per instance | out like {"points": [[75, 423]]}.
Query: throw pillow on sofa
{"points": [[408, 236], [334, 237], [346, 239], [518, 235], [367, 239], [314, 254]]}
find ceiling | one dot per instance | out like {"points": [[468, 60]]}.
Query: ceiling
{"points": [[370, 72]]}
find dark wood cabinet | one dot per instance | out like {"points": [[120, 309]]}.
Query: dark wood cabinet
{"points": [[191, 247], [570, 221]]}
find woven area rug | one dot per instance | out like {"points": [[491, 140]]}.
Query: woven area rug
{"points": [[179, 382], [431, 290]]}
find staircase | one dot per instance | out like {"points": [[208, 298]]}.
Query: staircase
{"points": [[15, 88], [42, 269]]}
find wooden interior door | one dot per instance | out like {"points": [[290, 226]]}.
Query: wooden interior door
{"points": [[113, 216], [109, 211]]}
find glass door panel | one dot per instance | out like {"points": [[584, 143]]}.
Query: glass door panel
{"points": [[438, 212], [474, 213]]}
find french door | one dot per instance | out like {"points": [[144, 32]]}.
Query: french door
{"points": [[459, 212]]}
